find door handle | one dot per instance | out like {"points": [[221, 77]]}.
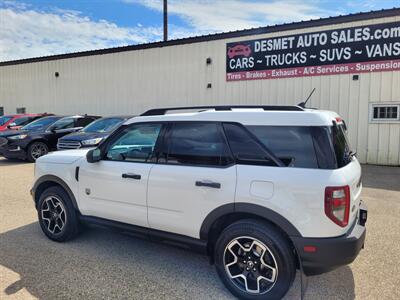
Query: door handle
{"points": [[131, 175], [215, 185]]}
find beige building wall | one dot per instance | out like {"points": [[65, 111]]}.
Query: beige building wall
{"points": [[131, 82]]}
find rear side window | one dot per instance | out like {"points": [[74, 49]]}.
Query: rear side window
{"points": [[245, 148], [201, 144], [291, 144]]}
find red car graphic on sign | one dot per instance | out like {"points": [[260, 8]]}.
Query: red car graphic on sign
{"points": [[239, 50]]}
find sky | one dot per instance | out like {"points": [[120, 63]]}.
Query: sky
{"points": [[33, 28]]}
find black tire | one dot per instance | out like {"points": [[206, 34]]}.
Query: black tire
{"points": [[279, 254], [31, 156], [69, 218]]}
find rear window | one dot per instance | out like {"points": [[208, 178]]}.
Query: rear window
{"points": [[292, 144], [341, 145]]}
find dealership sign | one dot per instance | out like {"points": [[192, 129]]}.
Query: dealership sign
{"points": [[373, 48]]}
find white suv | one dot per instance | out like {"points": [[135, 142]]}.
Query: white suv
{"points": [[263, 190]]}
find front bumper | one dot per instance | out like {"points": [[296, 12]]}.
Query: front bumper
{"points": [[10, 151], [320, 255]]}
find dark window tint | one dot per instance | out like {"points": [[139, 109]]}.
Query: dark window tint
{"points": [[291, 144], [323, 147], [341, 146], [245, 147], [82, 122], [135, 143], [196, 144]]}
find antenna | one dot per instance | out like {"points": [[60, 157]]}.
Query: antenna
{"points": [[303, 104]]}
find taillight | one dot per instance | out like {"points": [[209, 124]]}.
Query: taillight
{"points": [[337, 204]]}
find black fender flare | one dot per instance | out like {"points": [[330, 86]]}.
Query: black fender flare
{"points": [[249, 208], [56, 180]]}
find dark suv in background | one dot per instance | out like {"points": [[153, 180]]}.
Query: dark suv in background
{"points": [[92, 134], [39, 137]]}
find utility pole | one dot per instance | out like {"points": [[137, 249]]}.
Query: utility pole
{"points": [[165, 21]]}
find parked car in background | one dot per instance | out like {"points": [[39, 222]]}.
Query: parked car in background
{"points": [[92, 134], [39, 137], [19, 120]]}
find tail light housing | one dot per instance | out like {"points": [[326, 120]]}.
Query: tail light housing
{"points": [[337, 204]]}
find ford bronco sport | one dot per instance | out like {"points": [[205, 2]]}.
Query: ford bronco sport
{"points": [[262, 190]]}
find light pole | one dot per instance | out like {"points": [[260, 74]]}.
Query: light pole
{"points": [[165, 21]]}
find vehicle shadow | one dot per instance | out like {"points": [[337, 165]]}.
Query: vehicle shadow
{"points": [[104, 264], [11, 162], [380, 177]]}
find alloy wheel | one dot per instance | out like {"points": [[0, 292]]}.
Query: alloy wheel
{"points": [[250, 265], [53, 214], [38, 150]]}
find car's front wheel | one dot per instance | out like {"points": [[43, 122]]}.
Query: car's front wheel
{"points": [[57, 216], [254, 261], [36, 150]]}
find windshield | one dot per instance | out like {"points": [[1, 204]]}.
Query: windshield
{"points": [[4, 120], [40, 123], [103, 125]]}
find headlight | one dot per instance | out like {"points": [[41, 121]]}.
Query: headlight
{"points": [[92, 142], [18, 137]]}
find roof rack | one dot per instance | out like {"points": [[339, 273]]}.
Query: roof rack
{"points": [[163, 111]]}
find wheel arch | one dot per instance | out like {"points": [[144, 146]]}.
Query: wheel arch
{"points": [[227, 214], [42, 140], [47, 181]]}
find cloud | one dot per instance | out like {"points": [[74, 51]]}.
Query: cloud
{"points": [[226, 15], [25, 32]]}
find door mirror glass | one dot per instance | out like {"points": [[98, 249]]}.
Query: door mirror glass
{"points": [[93, 155]]}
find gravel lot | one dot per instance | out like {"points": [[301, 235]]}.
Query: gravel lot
{"points": [[104, 264]]}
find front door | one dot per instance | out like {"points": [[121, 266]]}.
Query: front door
{"points": [[195, 174], [115, 188]]}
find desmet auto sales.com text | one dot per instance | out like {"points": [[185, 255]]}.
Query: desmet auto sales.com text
{"points": [[322, 38]]}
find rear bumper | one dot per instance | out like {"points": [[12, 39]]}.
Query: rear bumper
{"points": [[331, 253]]}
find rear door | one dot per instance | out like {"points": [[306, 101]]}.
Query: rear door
{"points": [[194, 175]]}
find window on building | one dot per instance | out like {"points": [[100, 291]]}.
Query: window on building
{"points": [[21, 110], [1, 110], [385, 112]]}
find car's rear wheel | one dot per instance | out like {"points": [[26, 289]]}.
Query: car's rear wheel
{"points": [[254, 261], [57, 216], [36, 150]]}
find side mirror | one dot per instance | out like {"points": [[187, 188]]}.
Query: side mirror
{"points": [[11, 125], [93, 155]]}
